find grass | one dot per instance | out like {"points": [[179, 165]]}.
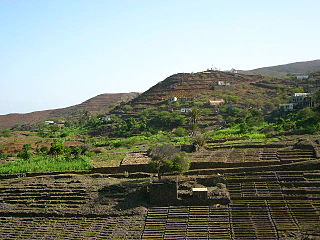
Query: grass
{"points": [[107, 159], [234, 132], [46, 164], [140, 142]]}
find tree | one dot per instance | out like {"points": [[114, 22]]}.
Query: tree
{"points": [[5, 132], [127, 108], [57, 148], [168, 158], [25, 154], [198, 141], [194, 116]]}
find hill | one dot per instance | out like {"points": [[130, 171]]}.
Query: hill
{"points": [[196, 89], [282, 70], [98, 104], [207, 84]]}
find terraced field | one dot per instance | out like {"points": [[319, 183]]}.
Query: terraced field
{"points": [[263, 204], [216, 157], [67, 206], [70, 228]]}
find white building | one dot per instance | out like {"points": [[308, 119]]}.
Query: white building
{"points": [[286, 107], [172, 99], [185, 110], [302, 100], [106, 118], [223, 83], [301, 77]]}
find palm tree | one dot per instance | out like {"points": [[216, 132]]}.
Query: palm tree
{"points": [[195, 115]]}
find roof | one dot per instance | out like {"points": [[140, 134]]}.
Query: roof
{"points": [[199, 189], [301, 94]]}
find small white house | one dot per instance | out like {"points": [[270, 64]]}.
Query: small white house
{"points": [[106, 118], [286, 107], [302, 100], [223, 83], [299, 97], [185, 110], [49, 122], [172, 99], [301, 77]]}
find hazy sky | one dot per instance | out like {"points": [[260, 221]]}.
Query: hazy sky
{"points": [[57, 53]]}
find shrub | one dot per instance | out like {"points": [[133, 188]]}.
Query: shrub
{"points": [[57, 148], [5, 132], [168, 158], [180, 132], [198, 141]]}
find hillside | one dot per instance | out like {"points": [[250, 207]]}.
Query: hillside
{"points": [[98, 104], [191, 89], [193, 85], [284, 69]]}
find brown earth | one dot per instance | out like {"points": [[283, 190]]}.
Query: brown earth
{"points": [[98, 104]]}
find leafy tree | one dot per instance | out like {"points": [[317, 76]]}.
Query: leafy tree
{"points": [[167, 158], [198, 141], [127, 108], [180, 132], [57, 148], [25, 154], [5, 132], [194, 115]]}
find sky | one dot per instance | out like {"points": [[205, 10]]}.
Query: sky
{"points": [[60, 53]]}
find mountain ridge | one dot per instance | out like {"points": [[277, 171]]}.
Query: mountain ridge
{"points": [[98, 104], [303, 67]]}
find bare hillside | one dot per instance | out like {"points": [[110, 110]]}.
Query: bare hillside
{"points": [[98, 104], [282, 70]]}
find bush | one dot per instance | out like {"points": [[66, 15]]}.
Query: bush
{"points": [[180, 132], [198, 141], [5, 132], [57, 148], [168, 158], [25, 154]]}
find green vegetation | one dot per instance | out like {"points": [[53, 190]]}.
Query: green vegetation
{"points": [[249, 112], [45, 164], [168, 158], [106, 159], [5, 132]]}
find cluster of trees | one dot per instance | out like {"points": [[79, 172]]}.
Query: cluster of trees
{"points": [[305, 119], [57, 148], [149, 121]]}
